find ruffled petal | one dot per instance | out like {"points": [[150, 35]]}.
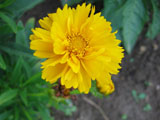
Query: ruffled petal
{"points": [[46, 23], [105, 84], [42, 34], [43, 54], [70, 79], [92, 67], [84, 82], [52, 73], [41, 46], [74, 63]]}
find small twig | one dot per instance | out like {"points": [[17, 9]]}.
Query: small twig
{"points": [[96, 106]]}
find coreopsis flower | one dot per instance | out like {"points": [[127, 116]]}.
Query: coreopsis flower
{"points": [[79, 46]]}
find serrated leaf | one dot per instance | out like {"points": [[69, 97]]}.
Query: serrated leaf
{"points": [[7, 96], [2, 63], [154, 28], [70, 2], [9, 21], [113, 10], [92, 1], [109, 6], [133, 22]]}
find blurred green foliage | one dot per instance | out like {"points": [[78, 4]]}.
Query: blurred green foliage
{"points": [[23, 94], [129, 18]]}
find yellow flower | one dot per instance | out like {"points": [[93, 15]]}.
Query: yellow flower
{"points": [[79, 47]]}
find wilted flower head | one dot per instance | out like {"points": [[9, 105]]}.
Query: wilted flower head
{"points": [[79, 46]]}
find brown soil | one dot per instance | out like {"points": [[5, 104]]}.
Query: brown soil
{"points": [[140, 72]]}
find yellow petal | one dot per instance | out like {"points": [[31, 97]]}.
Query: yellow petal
{"points": [[105, 84], [46, 23], [92, 67], [42, 34], [81, 15], [84, 81], [70, 79], [51, 62], [52, 73], [94, 54], [59, 47], [74, 63], [54, 60], [41, 46], [42, 54]]}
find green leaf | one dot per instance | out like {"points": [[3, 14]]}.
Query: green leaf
{"points": [[44, 112], [16, 49], [113, 10], [74, 92], [27, 68], [147, 107], [134, 18], [2, 63], [7, 96], [92, 1], [94, 91], [142, 96], [5, 29], [154, 28], [65, 105], [33, 79], [70, 2], [135, 96], [4, 115], [20, 6], [10, 22], [27, 114], [17, 71], [28, 26], [6, 3], [23, 96], [17, 113], [116, 19], [20, 35], [124, 117], [109, 6]]}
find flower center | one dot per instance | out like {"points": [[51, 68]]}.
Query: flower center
{"points": [[77, 44]]}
